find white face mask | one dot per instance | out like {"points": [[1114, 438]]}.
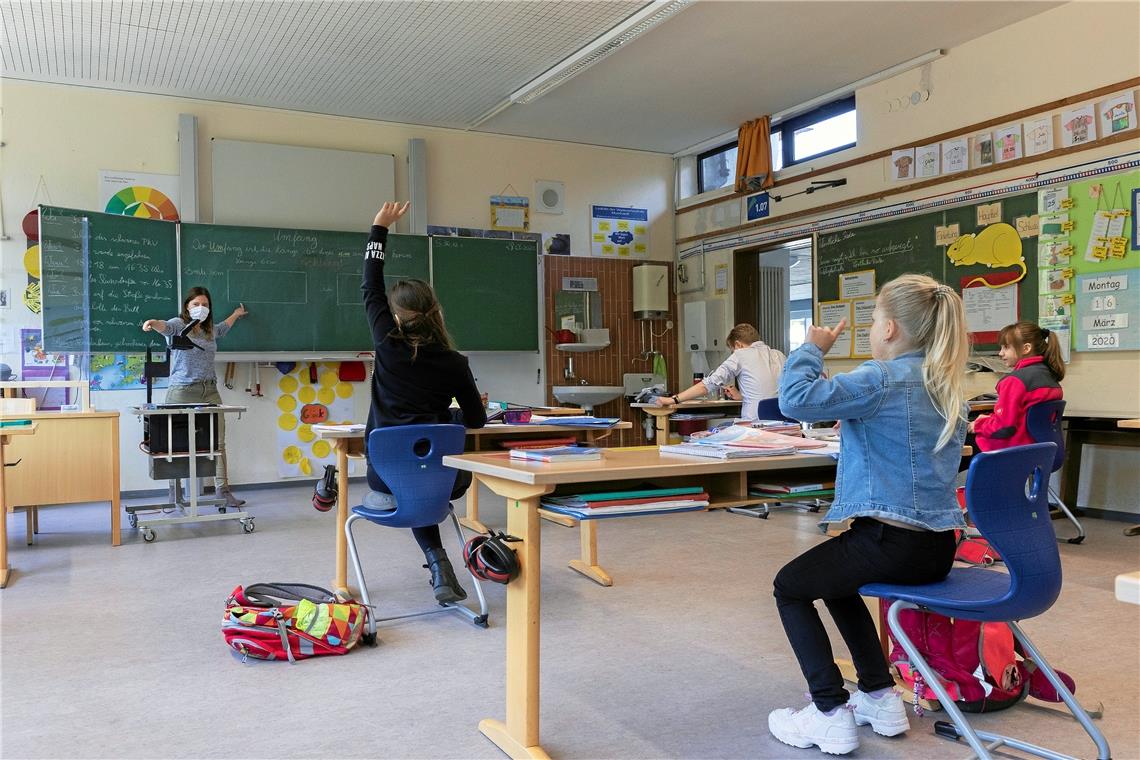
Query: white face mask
{"points": [[199, 312]]}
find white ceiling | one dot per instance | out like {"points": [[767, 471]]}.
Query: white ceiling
{"points": [[447, 64]]}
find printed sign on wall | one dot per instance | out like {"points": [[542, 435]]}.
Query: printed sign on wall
{"points": [[619, 231]]}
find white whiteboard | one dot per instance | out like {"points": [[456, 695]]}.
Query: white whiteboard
{"points": [[268, 185]]}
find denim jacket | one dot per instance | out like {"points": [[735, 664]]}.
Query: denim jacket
{"points": [[887, 463]]}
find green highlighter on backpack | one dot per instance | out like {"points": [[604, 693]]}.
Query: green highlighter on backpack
{"points": [[293, 621]]}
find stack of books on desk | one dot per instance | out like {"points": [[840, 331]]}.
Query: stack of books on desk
{"points": [[783, 427], [738, 441], [558, 454], [594, 506], [722, 451]]}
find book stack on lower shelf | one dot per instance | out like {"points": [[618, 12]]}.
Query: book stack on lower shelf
{"points": [[646, 501], [795, 491]]}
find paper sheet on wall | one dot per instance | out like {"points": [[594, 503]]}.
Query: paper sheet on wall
{"points": [[832, 313], [1097, 248], [989, 309], [300, 403]]}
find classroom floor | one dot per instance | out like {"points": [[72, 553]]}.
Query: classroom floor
{"points": [[118, 652]]}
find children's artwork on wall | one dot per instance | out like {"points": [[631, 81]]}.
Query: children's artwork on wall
{"points": [[1054, 254], [1078, 126], [1007, 143], [955, 155], [902, 164], [927, 159], [301, 404], [1117, 114], [32, 350], [1038, 135], [983, 154]]}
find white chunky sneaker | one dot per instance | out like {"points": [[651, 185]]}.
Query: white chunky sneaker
{"points": [[887, 714], [835, 734]]}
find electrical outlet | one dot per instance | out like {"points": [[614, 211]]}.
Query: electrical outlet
{"points": [[668, 324]]}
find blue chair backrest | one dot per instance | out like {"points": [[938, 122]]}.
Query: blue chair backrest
{"points": [[409, 460], [1007, 497], [1043, 423], [769, 409]]}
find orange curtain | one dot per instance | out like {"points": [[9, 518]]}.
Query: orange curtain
{"points": [[754, 155]]}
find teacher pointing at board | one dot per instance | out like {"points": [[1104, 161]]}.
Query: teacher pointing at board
{"points": [[192, 376]]}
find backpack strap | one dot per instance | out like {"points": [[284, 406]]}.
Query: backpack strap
{"points": [[275, 594]]}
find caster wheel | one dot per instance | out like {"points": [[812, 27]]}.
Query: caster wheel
{"points": [[148, 536], [247, 526], [369, 639], [221, 510], [133, 520]]}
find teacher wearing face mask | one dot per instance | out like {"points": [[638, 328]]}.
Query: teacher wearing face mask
{"points": [[192, 376]]}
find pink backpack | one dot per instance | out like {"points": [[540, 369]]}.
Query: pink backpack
{"points": [[291, 621]]}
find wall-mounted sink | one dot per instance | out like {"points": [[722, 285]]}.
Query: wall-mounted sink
{"points": [[587, 396]]}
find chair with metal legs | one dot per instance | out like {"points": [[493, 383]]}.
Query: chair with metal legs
{"points": [[409, 460], [1043, 422], [1006, 494]]}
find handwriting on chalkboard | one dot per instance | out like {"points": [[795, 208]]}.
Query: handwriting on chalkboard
{"points": [[858, 256]]}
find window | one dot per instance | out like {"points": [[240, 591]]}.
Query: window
{"points": [[825, 130], [716, 168]]}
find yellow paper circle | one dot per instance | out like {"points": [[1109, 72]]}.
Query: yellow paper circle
{"points": [[344, 390], [32, 261], [286, 403], [287, 421], [329, 379], [305, 433], [291, 454], [326, 396], [307, 394], [288, 384], [321, 449], [306, 467]]}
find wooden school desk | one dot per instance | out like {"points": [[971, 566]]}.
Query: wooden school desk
{"points": [[351, 444], [661, 414], [522, 484], [5, 434]]}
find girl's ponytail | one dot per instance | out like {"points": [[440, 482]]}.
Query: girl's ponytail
{"points": [[932, 316], [1052, 353]]}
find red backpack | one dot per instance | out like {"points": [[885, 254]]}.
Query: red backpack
{"points": [[293, 621]]}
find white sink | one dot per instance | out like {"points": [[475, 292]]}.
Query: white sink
{"points": [[587, 396]]}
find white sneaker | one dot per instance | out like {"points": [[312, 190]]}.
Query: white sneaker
{"points": [[887, 714], [835, 734]]}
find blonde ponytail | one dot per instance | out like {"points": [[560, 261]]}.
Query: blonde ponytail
{"points": [[933, 318]]}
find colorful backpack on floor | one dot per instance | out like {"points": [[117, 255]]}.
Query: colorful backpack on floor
{"points": [[293, 621], [972, 548]]}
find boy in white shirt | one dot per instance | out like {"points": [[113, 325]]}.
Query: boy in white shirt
{"points": [[753, 365]]}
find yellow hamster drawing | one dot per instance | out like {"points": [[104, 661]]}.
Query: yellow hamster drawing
{"points": [[998, 245]]}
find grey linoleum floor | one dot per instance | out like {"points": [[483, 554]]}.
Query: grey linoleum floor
{"points": [[118, 652]]}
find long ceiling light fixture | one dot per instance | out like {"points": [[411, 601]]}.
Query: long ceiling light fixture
{"points": [[634, 26]]}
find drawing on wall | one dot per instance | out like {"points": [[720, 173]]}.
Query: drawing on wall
{"points": [[120, 372], [556, 244], [955, 155], [927, 159], [1117, 114], [1038, 136], [301, 405], [1007, 142], [902, 164], [1078, 126], [983, 149], [148, 196], [996, 246]]}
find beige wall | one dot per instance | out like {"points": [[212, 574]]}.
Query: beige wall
{"points": [[65, 135], [980, 80]]}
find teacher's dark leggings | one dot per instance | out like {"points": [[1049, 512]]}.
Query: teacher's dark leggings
{"points": [[870, 552]]}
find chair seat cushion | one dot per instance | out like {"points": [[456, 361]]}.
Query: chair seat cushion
{"points": [[971, 593], [373, 515]]}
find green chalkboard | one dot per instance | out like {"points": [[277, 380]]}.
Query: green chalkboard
{"points": [[301, 287], [488, 289], [909, 245], [102, 275]]}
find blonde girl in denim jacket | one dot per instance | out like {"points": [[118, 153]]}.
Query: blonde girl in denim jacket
{"points": [[903, 422]]}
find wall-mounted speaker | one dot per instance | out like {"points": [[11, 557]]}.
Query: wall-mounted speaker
{"points": [[549, 196]]}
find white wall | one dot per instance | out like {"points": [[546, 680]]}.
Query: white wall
{"points": [[59, 137]]}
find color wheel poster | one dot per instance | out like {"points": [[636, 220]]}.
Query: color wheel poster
{"points": [[150, 196]]}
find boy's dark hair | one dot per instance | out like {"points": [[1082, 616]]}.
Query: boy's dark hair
{"points": [[1041, 342], [419, 318]]}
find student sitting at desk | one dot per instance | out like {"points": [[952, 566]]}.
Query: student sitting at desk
{"points": [[903, 417], [753, 365], [417, 374], [192, 376], [1034, 355]]}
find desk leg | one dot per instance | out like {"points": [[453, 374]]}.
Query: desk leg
{"points": [[519, 735], [471, 519], [588, 564], [340, 585], [116, 503], [5, 571], [662, 421]]}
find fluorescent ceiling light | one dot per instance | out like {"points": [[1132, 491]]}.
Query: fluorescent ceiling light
{"points": [[637, 24]]}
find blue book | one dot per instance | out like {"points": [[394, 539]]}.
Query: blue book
{"points": [[558, 454]]}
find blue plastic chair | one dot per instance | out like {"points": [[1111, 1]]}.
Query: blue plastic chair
{"points": [[1006, 497], [769, 409], [1043, 422], [408, 459]]}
